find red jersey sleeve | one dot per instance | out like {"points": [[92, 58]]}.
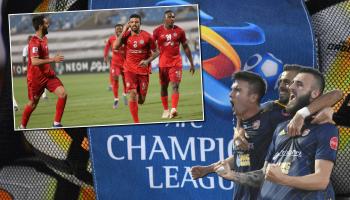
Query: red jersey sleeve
{"points": [[34, 48], [152, 43], [183, 38], [107, 47]]}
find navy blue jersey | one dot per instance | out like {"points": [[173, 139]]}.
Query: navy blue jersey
{"points": [[296, 157], [259, 131]]}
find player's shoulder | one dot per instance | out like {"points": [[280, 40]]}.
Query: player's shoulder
{"points": [[112, 37], [158, 28], [145, 33], [176, 27], [272, 106], [326, 127]]}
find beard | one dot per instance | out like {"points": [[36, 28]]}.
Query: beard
{"points": [[300, 102], [45, 31]]}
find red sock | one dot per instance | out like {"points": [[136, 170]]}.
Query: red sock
{"points": [[26, 115], [115, 87], [174, 100], [61, 103], [124, 84], [134, 111], [165, 102]]}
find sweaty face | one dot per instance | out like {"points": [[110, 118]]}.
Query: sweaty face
{"points": [[169, 19], [239, 97], [300, 92], [118, 30], [283, 85], [135, 24], [45, 26]]}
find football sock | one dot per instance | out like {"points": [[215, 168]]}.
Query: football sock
{"points": [[174, 100], [165, 102], [115, 87], [134, 111], [26, 114], [61, 103]]}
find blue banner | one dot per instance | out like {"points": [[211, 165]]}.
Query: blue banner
{"points": [[153, 161]]}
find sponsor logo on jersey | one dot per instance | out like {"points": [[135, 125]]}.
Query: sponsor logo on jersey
{"points": [[333, 143], [35, 49], [342, 46], [287, 153], [282, 132]]}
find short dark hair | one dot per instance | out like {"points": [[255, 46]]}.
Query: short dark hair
{"points": [[118, 25], [135, 16], [292, 67], [168, 11], [257, 85], [37, 21], [317, 75]]}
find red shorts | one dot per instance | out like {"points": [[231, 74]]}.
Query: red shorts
{"points": [[115, 70], [136, 81], [36, 88], [170, 74]]}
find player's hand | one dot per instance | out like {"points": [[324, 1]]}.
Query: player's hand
{"points": [[192, 69], [224, 170], [199, 171], [144, 63], [126, 27], [324, 116], [239, 139], [295, 125], [105, 59], [58, 58], [274, 173]]}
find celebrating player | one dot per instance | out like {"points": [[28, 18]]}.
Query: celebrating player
{"points": [[40, 75], [140, 51], [168, 38], [116, 65]]}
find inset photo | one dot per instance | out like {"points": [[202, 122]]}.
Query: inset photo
{"points": [[106, 67]]}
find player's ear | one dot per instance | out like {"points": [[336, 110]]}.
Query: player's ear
{"points": [[253, 98], [315, 93]]}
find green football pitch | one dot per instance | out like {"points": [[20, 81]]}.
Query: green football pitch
{"points": [[89, 102]]}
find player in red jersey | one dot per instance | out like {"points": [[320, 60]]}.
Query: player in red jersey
{"points": [[116, 65], [140, 51], [40, 75], [168, 38]]}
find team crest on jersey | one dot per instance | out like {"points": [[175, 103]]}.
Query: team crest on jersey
{"points": [[333, 143], [305, 132], [35, 50], [243, 160], [256, 124], [127, 84], [174, 34], [142, 42]]}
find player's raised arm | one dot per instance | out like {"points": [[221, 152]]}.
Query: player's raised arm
{"points": [[326, 100], [118, 42], [106, 51], [201, 171]]}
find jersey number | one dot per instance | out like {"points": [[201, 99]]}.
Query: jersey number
{"points": [[135, 44]]}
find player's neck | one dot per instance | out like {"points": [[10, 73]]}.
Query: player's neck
{"points": [[168, 26], [251, 112], [136, 32], [39, 34]]}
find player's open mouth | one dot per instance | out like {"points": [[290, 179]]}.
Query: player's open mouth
{"points": [[292, 97]]}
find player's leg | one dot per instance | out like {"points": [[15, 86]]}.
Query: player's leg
{"points": [[55, 85], [143, 81], [164, 83], [115, 85], [34, 93], [131, 86], [125, 99], [175, 79]]}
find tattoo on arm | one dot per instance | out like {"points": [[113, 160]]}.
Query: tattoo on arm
{"points": [[253, 178]]}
